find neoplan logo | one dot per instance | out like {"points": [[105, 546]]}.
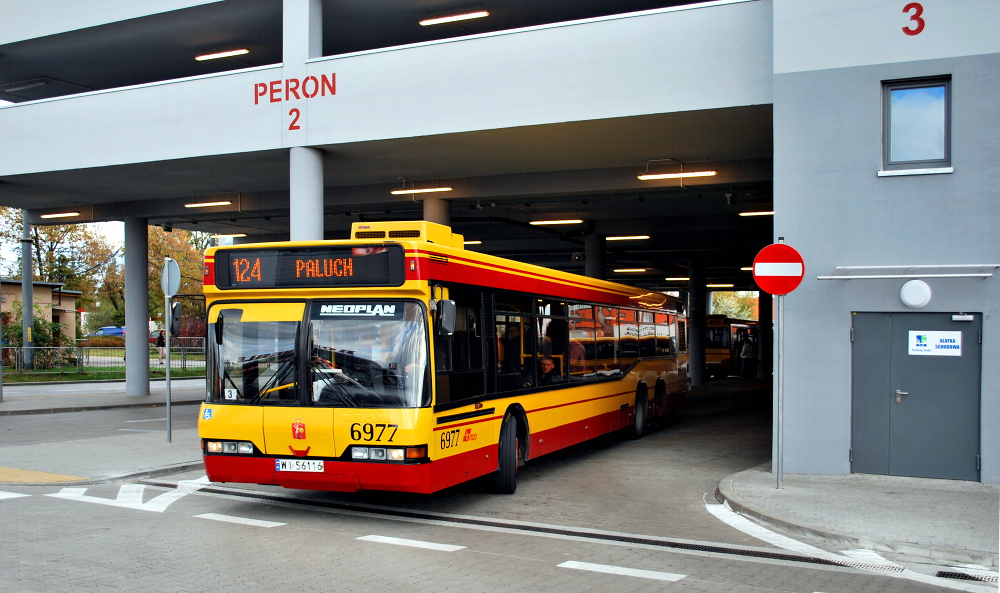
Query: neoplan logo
{"points": [[364, 310]]}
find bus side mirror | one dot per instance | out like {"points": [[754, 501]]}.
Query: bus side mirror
{"points": [[447, 314], [218, 330], [175, 319]]}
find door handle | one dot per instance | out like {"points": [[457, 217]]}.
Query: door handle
{"points": [[899, 395]]}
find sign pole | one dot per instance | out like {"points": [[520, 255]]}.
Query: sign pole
{"points": [[778, 269], [781, 388], [166, 316], [170, 281]]}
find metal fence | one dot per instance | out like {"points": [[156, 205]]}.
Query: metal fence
{"points": [[185, 354]]}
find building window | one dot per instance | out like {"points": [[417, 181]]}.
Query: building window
{"points": [[916, 122]]}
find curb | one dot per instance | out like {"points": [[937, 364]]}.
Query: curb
{"points": [[727, 496], [94, 408], [139, 475]]}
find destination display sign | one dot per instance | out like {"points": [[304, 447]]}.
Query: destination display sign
{"points": [[310, 267]]}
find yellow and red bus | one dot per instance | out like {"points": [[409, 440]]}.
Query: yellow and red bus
{"points": [[398, 360], [724, 338]]}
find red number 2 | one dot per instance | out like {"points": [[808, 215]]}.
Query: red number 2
{"points": [[295, 113], [915, 18]]}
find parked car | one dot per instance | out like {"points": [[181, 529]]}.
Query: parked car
{"points": [[107, 331]]}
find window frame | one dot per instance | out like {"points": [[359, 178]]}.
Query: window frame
{"points": [[888, 86]]}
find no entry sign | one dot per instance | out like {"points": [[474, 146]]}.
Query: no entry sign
{"points": [[778, 269]]}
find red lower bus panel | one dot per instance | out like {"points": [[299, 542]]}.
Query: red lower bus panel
{"points": [[548, 441], [346, 476]]}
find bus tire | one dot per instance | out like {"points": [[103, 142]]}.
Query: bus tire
{"points": [[638, 427], [505, 478], [662, 406]]}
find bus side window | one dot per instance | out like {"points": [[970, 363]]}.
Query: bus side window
{"points": [[458, 358]]}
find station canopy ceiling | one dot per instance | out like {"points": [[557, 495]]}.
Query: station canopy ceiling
{"points": [[503, 179]]}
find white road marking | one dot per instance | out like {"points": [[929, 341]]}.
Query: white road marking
{"points": [[239, 520], [412, 543], [730, 517], [130, 496], [6, 495], [137, 430], [149, 420], [621, 570]]}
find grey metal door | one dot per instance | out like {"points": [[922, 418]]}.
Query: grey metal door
{"points": [[916, 392]]}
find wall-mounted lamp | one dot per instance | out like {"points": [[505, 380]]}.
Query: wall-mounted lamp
{"points": [[472, 242], [629, 270], [761, 213], [228, 236], [456, 17], [719, 285], [222, 54], [627, 238], [60, 215], [677, 279]]}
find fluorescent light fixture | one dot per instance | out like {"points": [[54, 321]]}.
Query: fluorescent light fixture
{"points": [[546, 222], [628, 238], [60, 215], [228, 236], [208, 204], [457, 17], [677, 279], [398, 192], [719, 285], [763, 213], [472, 242], [23, 86], [222, 54], [649, 176], [747, 269], [623, 270]]}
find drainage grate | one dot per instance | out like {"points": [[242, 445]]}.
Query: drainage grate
{"points": [[965, 577]]}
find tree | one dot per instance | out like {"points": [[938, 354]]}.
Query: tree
{"points": [[188, 249], [741, 304], [76, 255]]}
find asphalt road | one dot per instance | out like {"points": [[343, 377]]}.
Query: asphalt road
{"points": [[604, 516]]}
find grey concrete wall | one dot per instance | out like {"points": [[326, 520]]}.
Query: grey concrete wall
{"points": [[836, 211], [658, 63]]}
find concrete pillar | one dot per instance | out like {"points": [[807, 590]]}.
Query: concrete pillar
{"points": [[302, 31], [437, 210], [697, 295], [306, 194], [136, 307], [594, 252]]}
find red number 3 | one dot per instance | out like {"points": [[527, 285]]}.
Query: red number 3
{"points": [[915, 18]]}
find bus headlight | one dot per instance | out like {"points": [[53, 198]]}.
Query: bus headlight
{"points": [[377, 453], [231, 447], [359, 452], [395, 454]]}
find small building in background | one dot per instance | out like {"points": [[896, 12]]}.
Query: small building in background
{"points": [[57, 304]]}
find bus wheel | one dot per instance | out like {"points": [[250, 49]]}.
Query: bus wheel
{"points": [[638, 427], [505, 478]]}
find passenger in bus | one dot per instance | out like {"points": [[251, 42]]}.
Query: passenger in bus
{"points": [[578, 357], [549, 374], [511, 349]]}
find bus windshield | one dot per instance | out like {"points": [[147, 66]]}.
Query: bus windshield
{"points": [[359, 355], [369, 355]]}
